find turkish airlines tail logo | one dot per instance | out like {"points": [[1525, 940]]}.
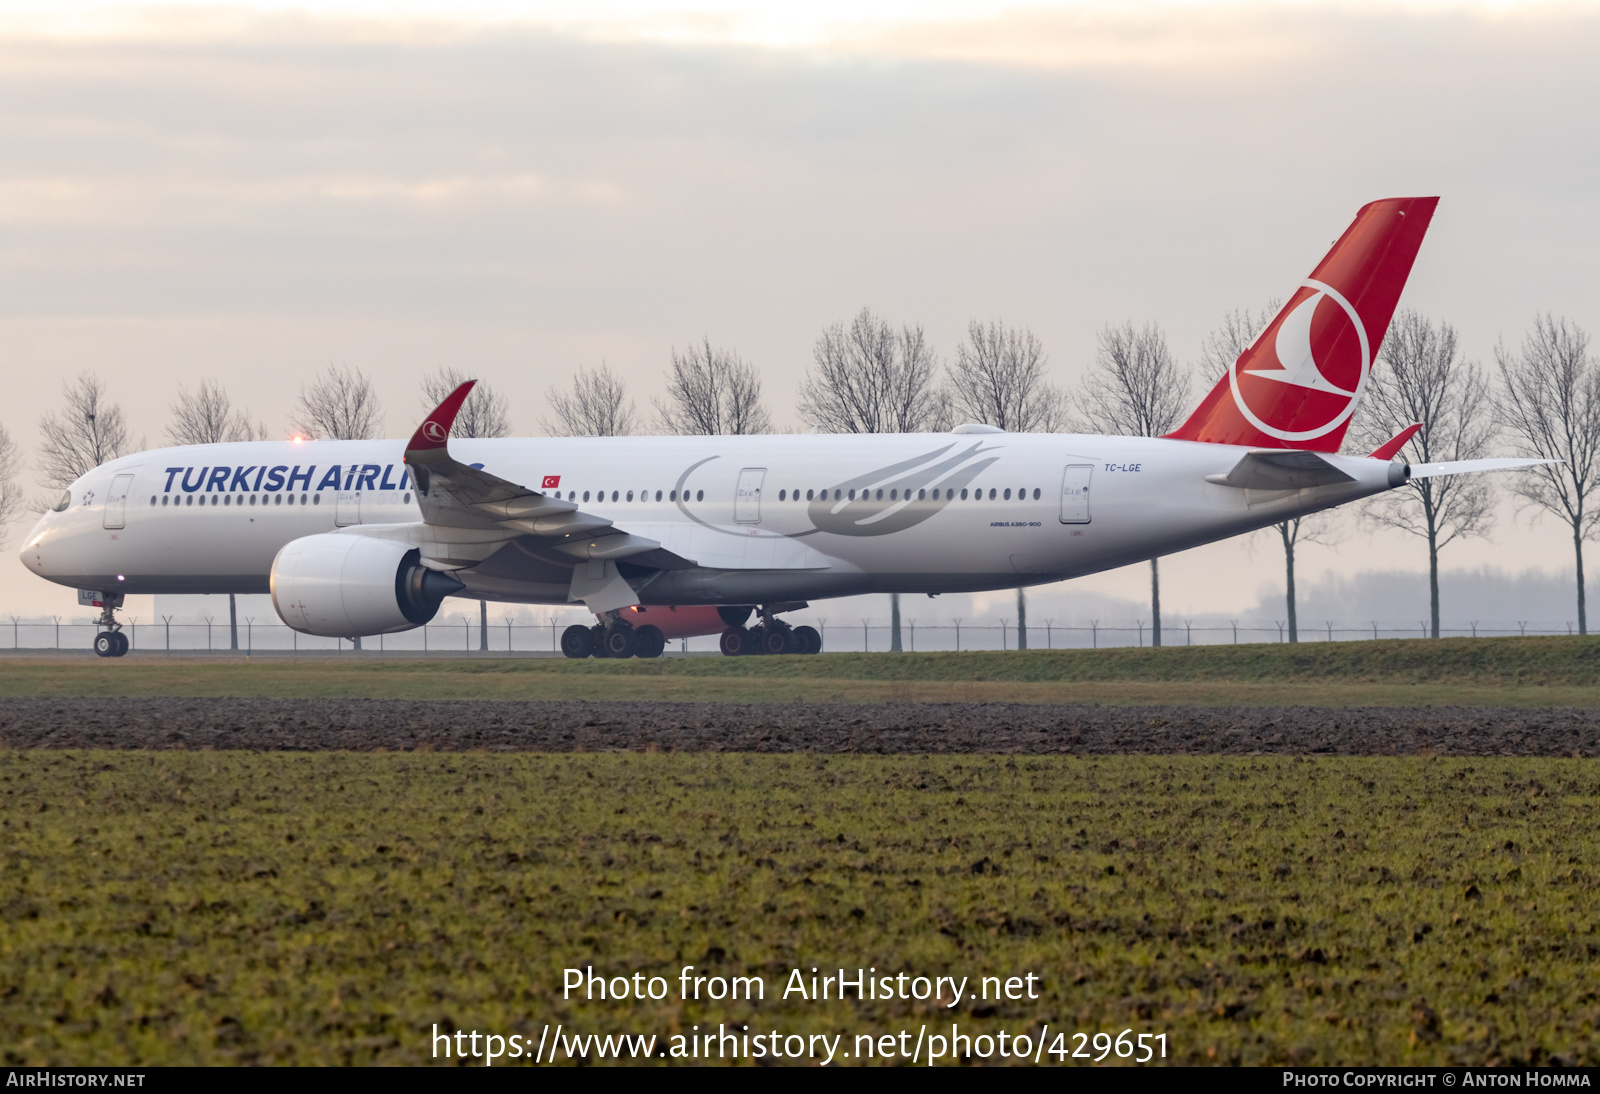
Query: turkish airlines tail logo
{"points": [[1301, 379], [1298, 383], [1296, 363]]}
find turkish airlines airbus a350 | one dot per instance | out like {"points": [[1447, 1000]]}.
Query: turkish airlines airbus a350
{"points": [[368, 537]]}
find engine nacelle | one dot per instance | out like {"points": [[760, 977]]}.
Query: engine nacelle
{"points": [[343, 586]]}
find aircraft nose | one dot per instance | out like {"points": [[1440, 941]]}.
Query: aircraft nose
{"points": [[34, 550]]}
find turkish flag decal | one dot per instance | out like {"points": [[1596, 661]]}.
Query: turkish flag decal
{"points": [[550, 482]]}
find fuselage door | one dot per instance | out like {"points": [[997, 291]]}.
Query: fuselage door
{"points": [[747, 499], [117, 501], [348, 508], [1075, 493]]}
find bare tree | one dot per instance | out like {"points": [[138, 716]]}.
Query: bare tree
{"points": [[998, 378], [1549, 402], [11, 503], [712, 392], [1218, 352], [1239, 328], [83, 434], [484, 414], [598, 406], [1135, 389], [338, 405], [1312, 528], [1418, 377], [868, 379], [207, 417]]}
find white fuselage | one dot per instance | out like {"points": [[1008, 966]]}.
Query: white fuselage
{"points": [[748, 510]]}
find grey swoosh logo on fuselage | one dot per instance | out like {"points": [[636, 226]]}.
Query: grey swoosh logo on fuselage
{"points": [[874, 511]]}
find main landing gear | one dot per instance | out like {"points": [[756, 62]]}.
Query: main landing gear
{"points": [[110, 642], [613, 638], [769, 635]]}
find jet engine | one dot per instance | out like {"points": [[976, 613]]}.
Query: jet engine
{"points": [[343, 586]]}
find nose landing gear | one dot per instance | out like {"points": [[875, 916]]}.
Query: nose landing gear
{"points": [[110, 642]]}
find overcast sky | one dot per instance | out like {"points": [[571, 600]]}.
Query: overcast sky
{"points": [[249, 192]]}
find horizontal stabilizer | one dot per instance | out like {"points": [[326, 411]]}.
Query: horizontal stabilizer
{"points": [[1279, 469], [1467, 467]]}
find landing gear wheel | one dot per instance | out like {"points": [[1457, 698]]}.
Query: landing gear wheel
{"points": [[807, 640], [105, 644], [777, 640], [597, 641], [621, 642], [651, 640], [736, 641], [576, 642], [122, 643]]}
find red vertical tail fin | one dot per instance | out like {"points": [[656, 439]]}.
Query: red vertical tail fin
{"points": [[1299, 382]]}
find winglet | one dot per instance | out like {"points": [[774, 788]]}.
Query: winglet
{"points": [[1388, 449], [434, 432]]}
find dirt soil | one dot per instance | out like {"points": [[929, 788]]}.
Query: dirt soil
{"points": [[569, 726]]}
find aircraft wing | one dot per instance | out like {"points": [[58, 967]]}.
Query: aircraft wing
{"points": [[469, 513], [452, 494], [1280, 469]]}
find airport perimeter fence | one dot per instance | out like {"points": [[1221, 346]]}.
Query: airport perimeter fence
{"points": [[461, 635]]}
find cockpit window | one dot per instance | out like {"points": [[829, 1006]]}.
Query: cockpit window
{"points": [[61, 505]]}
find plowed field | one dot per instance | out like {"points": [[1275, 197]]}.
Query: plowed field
{"points": [[571, 726]]}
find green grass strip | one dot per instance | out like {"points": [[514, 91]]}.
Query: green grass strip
{"points": [[333, 907]]}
